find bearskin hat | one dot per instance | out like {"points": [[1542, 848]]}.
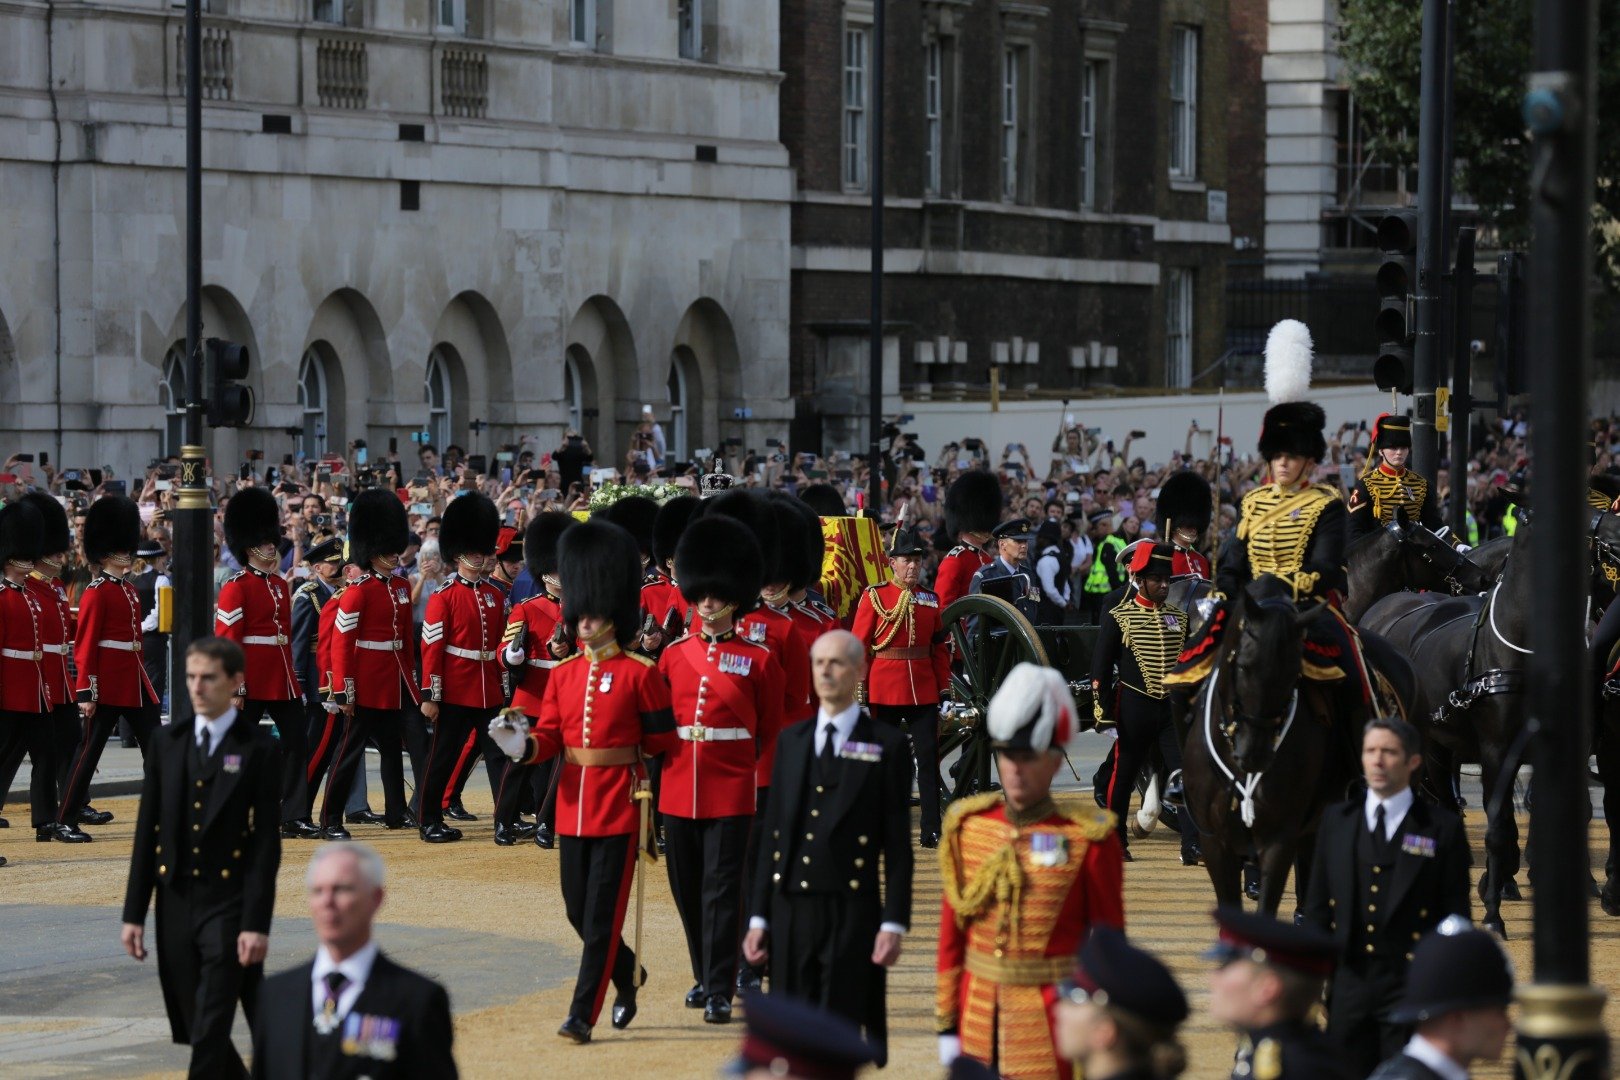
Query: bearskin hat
{"points": [[824, 500], [751, 510], [22, 531], [1292, 425], [252, 519], [540, 542], [669, 524], [635, 514], [790, 557], [111, 527], [470, 526], [57, 537], [377, 526], [813, 544], [719, 557], [973, 503], [1392, 432], [1184, 503], [600, 567]]}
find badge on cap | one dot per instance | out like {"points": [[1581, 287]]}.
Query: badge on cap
{"points": [[1048, 849]]}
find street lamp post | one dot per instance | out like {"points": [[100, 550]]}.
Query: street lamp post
{"points": [[874, 359]]}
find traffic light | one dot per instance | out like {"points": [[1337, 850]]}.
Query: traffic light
{"points": [[230, 401], [1511, 377], [1397, 274]]}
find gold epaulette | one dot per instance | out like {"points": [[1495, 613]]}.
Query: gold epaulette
{"points": [[643, 659], [1093, 822], [964, 807], [569, 659]]}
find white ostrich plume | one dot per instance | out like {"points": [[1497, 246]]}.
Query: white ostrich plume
{"points": [[1288, 362]]}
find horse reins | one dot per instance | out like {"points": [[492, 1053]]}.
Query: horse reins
{"points": [[1244, 788]]}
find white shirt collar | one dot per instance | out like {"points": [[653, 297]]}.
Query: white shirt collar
{"points": [[843, 724], [216, 727], [1425, 1051], [1395, 808], [357, 969]]}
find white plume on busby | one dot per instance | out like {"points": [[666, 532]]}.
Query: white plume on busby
{"points": [[1032, 710], [1293, 424], [1288, 362]]}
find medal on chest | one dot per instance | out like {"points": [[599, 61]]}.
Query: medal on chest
{"points": [[489, 600], [1048, 849], [605, 683], [756, 633], [402, 597], [733, 664]]}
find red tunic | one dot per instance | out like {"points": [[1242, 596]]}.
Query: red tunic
{"points": [[956, 572], [323, 642], [779, 633], [107, 647], [810, 620], [255, 611], [528, 631], [24, 687], [1186, 561], [373, 650], [55, 624], [725, 691], [591, 705], [914, 665], [461, 644]]}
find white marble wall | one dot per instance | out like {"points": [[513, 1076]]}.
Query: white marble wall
{"points": [[1301, 66]]}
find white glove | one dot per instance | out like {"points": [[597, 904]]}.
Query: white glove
{"points": [[514, 653], [950, 1048], [510, 732]]}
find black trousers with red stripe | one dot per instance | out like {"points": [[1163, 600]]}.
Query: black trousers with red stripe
{"points": [[921, 725], [705, 859], [1143, 722], [597, 875], [459, 731], [292, 725], [31, 733], [93, 735], [383, 725]]}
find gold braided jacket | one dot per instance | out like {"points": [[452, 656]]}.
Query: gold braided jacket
{"points": [[1389, 493], [1277, 525], [1155, 637]]}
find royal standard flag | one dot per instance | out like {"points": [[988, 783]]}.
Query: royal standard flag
{"points": [[853, 560]]}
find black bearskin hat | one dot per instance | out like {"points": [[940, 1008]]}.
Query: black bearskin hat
{"points": [[57, 537], [111, 527], [635, 514], [471, 525], [719, 557], [973, 503], [377, 526], [1392, 432], [813, 545], [1292, 425], [21, 532], [252, 519], [752, 511], [668, 526], [824, 500], [790, 558], [1184, 503], [600, 567], [540, 542]]}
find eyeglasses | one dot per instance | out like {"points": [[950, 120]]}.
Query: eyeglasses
{"points": [[1075, 994]]}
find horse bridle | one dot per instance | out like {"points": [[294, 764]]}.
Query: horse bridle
{"points": [[1245, 788]]}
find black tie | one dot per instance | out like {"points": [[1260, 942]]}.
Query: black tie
{"points": [[828, 754], [1380, 835], [335, 982]]}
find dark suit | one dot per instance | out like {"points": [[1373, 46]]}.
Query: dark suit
{"points": [[1402, 1067], [286, 1045], [822, 898], [212, 860], [1426, 879], [1018, 586]]}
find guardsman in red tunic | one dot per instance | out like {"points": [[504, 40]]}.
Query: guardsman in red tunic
{"points": [[255, 611], [724, 689], [56, 635], [598, 708], [373, 653], [112, 683], [635, 514], [1183, 513], [25, 687], [1025, 879], [661, 599], [316, 602], [536, 641], [463, 681], [911, 665], [972, 509], [809, 612]]}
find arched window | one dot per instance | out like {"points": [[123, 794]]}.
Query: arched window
{"points": [[312, 401], [680, 390], [574, 390], [172, 396], [436, 391]]}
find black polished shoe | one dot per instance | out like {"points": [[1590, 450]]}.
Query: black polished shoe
{"points": [[456, 812], [717, 1011], [440, 833], [505, 835], [543, 837], [1191, 856], [576, 1029], [302, 829], [749, 979], [335, 832], [66, 834], [1125, 853], [364, 817], [91, 816], [624, 1005], [523, 830], [929, 840], [695, 998], [4, 824]]}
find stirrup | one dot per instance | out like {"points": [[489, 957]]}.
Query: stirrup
{"points": [[1611, 687]]}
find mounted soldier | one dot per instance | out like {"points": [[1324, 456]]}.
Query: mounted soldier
{"points": [[1388, 490]]}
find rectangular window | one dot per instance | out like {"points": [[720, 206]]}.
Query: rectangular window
{"points": [[452, 14], [1014, 119], [329, 11], [1184, 103], [581, 22], [1088, 133], [855, 57], [934, 115], [1178, 328], [689, 19]]}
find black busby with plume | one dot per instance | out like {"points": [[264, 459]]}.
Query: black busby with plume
{"points": [[973, 503], [112, 526], [669, 524], [470, 526], [718, 557], [57, 537], [378, 526], [21, 532], [252, 519], [1292, 425], [1391, 432], [1184, 503], [634, 514], [540, 542], [600, 567]]}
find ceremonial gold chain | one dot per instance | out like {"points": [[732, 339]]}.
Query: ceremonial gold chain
{"points": [[892, 619]]}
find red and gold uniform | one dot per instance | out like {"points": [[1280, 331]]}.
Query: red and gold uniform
{"points": [[463, 672], [24, 686], [32, 686], [55, 627], [255, 611], [1022, 891], [1188, 562], [777, 631], [529, 631], [661, 601], [956, 572], [107, 650]]}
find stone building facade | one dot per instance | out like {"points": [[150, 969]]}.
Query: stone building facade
{"points": [[1055, 182], [419, 216]]}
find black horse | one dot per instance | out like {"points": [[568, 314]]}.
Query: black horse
{"points": [[1406, 556]]}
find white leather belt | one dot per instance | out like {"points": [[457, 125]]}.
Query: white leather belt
{"points": [[121, 646], [470, 654], [259, 639], [543, 663], [379, 646], [21, 654], [59, 650], [699, 733]]}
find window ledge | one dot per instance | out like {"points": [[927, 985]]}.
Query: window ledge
{"points": [[1185, 184]]}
